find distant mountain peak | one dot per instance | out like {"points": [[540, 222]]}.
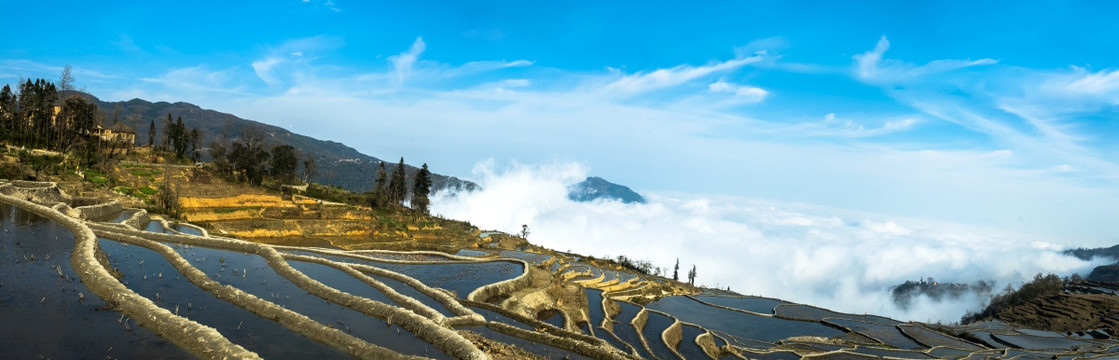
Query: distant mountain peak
{"points": [[594, 188]]}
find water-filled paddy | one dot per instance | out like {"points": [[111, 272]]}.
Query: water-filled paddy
{"points": [[474, 253], [414, 293], [627, 333], [526, 256], [688, 346], [187, 229], [762, 328], [548, 352], [150, 275], [228, 267], [891, 353], [462, 278], [594, 306], [933, 339], [41, 313], [493, 316], [337, 279], [122, 216], [1039, 342], [553, 317], [749, 303], [654, 326], [812, 313], [887, 334]]}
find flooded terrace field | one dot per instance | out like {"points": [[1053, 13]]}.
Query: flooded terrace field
{"points": [[45, 309]]}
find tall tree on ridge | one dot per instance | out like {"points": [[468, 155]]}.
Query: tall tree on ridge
{"points": [[168, 128], [421, 187], [380, 190], [398, 187]]}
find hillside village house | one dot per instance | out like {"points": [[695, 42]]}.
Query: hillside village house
{"points": [[118, 132]]}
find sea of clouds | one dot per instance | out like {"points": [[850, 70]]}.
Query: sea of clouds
{"points": [[834, 258]]}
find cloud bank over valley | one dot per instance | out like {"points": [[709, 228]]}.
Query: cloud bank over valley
{"points": [[834, 258]]}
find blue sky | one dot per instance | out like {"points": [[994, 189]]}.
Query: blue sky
{"points": [[973, 112]]}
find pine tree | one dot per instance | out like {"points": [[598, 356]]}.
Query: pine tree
{"points": [[421, 187], [676, 271], [380, 190], [168, 131], [151, 134], [398, 188], [179, 138], [691, 276], [7, 112]]}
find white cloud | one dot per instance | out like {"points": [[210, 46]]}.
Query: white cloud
{"points": [[828, 257], [748, 94], [872, 67], [642, 82], [403, 62], [1099, 83], [263, 69]]}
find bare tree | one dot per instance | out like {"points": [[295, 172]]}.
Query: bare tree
{"points": [[66, 81]]}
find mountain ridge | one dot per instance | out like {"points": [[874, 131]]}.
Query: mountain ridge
{"points": [[338, 164]]}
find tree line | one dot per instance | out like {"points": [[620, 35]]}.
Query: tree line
{"points": [[33, 115], [393, 190], [251, 158]]}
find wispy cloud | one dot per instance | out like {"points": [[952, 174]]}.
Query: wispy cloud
{"points": [[749, 94], [263, 69], [872, 67], [327, 4], [402, 63], [660, 120], [643, 82]]}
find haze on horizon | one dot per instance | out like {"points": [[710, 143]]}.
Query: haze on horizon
{"points": [[994, 119]]}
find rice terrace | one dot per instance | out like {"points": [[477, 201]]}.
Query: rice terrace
{"points": [[338, 179], [147, 286]]}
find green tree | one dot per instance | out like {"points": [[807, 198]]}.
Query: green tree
{"points": [[691, 276], [248, 156], [219, 152], [194, 139], [151, 134], [398, 188], [284, 162], [78, 117], [380, 189], [421, 187], [36, 105], [676, 271], [8, 111], [179, 138], [168, 130]]}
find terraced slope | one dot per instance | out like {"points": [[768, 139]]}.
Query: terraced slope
{"points": [[152, 288]]}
